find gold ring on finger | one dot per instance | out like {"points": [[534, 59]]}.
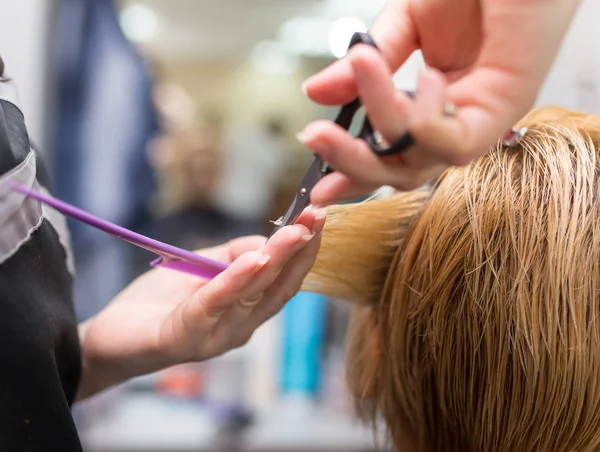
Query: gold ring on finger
{"points": [[450, 109]]}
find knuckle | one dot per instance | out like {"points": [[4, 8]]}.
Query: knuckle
{"points": [[250, 301], [207, 304]]}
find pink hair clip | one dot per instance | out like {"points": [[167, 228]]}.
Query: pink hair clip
{"points": [[513, 137]]}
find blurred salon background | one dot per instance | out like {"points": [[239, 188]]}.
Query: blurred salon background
{"points": [[177, 118]]}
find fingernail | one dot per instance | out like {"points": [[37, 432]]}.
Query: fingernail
{"points": [[304, 89], [262, 259], [308, 237], [303, 137], [309, 139], [321, 213]]}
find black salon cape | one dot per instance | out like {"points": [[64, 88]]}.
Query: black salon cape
{"points": [[39, 351]]}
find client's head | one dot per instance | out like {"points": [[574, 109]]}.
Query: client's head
{"points": [[477, 303]]}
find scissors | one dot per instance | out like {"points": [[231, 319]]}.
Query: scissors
{"points": [[319, 168], [191, 263]]}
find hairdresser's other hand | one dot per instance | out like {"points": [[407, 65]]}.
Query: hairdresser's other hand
{"points": [[165, 318], [487, 57]]}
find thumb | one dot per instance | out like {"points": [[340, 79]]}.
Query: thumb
{"points": [[394, 34]]}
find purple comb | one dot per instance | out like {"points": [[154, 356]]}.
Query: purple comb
{"points": [[170, 256]]}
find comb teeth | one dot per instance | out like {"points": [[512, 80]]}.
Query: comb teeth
{"points": [[513, 137]]}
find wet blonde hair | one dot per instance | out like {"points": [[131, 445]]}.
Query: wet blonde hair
{"points": [[475, 325]]}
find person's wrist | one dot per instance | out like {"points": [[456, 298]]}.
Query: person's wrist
{"points": [[101, 370]]}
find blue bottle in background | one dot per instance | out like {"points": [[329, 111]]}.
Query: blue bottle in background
{"points": [[303, 327]]}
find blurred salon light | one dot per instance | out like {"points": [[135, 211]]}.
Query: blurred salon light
{"points": [[272, 57], [364, 10], [139, 23], [341, 32], [305, 35]]}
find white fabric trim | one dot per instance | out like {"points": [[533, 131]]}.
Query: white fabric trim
{"points": [[21, 216], [8, 92]]}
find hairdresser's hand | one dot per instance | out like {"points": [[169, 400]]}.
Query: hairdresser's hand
{"points": [[166, 318], [487, 57]]}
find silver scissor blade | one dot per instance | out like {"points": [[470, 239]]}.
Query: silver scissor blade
{"points": [[291, 214], [302, 198], [287, 217]]}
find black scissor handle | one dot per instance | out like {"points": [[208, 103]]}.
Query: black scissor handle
{"points": [[367, 133]]}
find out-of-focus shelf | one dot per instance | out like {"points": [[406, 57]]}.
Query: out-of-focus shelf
{"points": [[146, 423], [296, 425]]}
